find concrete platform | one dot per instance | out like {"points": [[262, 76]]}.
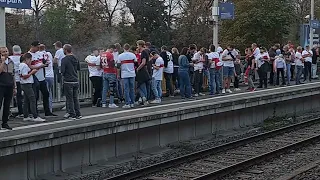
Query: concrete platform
{"points": [[60, 145]]}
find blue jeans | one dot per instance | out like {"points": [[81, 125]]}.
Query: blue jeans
{"points": [[50, 81], [156, 87], [298, 73], [109, 83], [143, 90], [206, 73], [218, 77], [288, 73], [185, 85], [128, 84], [212, 82]]}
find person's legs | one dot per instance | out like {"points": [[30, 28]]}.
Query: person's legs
{"points": [[131, 89], [30, 99], [283, 78], [68, 92], [113, 86], [50, 81], [278, 76], [288, 72], [260, 78], [105, 89], [309, 70], [143, 90], [75, 94], [212, 82], [126, 90], [45, 97], [218, 75], [8, 94], [271, 74], [169, 89], [306, 70], [94, 81], [154, 88], [314, 70], [159, 88], [19, 98], [236, 82], [230, 74], [182, 83], [175, 78], [196, 82], [119, 89], [298, 74], [250, 80], [292, 70], [265, 79]]}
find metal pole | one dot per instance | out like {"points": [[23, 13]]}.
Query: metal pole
{"points": [[215, 17], [2, 27], [311, 19]]}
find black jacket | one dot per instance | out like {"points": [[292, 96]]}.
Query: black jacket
{"points": [[314, 56], [69, 68]]}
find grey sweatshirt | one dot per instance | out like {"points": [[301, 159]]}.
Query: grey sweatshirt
{"points": [[69, 68]]}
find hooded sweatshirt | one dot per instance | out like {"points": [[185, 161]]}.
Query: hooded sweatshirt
{"points": [[69, 68]]}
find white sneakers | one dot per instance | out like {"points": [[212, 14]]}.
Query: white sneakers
{"points": [[201, 94], [38, 119], [156, 101], [126, 106], [237, 89], [226, 91], [113, 106]]}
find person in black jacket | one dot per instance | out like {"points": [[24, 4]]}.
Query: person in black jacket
{"points": [[315, 51], [69, 69]]}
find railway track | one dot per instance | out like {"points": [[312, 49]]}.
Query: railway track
{"points": [[219, 161]]}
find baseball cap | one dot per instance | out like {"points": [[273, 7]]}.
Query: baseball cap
{"points": [[35, 43]]}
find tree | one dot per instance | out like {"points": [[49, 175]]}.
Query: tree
{"points": [[110, 9]]}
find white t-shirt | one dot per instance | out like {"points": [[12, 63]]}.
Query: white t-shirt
{"points": [[158, 73], [59, 55], [24, 70], [16, 61], [37, 60], [307, 59], [115, 56], [298, 60], [261, 58], [48, 57], [198, 57], [127, 60], [212, 56], [226, 54], [256, 53], [94, 70]]}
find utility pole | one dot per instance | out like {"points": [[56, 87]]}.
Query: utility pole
{"points": [[2, 27], [215, 17], [311, 19]]}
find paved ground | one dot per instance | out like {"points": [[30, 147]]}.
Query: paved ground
{"points": [[97, 114]]}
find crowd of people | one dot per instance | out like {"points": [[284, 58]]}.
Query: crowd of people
{"points": [[133, 74]]}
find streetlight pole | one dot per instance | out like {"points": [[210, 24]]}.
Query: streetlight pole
{"points": [[311, 19], [2, 27], [215, 17]]}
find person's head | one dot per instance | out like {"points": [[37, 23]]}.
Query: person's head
{"points": [[286, 48], [307, 47], [281, 56], [299, 49], [164, 48], [175, 50], [230, 47], [141, 44], [101, 50], [315, 46], [289, 42], [117, 46], [57, 45], [134, 49], [184, 51], [276, 57], [248, 51], [126, 47], [95, 51], [111, 48], [42, 47], [277, 46], [254, 45], [16, 50], [203, 51], [154, 55], [34, 46], [192, 48], [26, 58], [67, 49], [148, 45], [4, 52], [212, 48], [263, 50]]}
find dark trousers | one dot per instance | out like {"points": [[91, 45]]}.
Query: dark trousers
{"points": [[262, 77], [29, 102], [6, 94], [236, 82], [97, 85], [198, 81], [293, 67], [71, 91], [280, 71], [307, 70], [19, 98], [271, 75], [42, 86], [175, 78], [168, 78]]}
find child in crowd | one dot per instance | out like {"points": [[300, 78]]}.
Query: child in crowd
{"points": [[26, 80], [280, 67]]}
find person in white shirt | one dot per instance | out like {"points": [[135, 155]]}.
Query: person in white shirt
{"points": [[95, 75], [263, 67], [307, 55], [16, 55], [280, 67], [228, 57], [198, 60], [40, 83], [299, 60], [157, 76], [59, 55], [126, 62], [27, 81], [116, 52], [214, 70], [168, 70], [49, 74]]}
